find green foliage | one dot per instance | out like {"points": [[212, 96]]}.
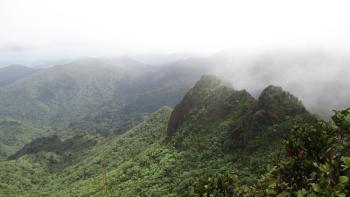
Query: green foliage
{"points": [[192, 158], [273, 107], [15, 134], [225, 185], [54, 144], [216, 185], [95, 95], [317, 162], [209, 100], [73, 166]]}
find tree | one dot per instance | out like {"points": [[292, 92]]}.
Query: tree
{"points": [[317, 159]]}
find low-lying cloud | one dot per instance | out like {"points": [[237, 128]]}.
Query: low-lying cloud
{"points": [[320, 79]]}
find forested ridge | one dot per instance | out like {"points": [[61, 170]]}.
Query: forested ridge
{"points": [[216, 141]]}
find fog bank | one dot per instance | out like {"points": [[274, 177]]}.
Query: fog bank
{"points": [[320, 79]]}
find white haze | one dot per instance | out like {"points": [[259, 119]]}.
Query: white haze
{"points": [[320, 79], [42, 32], [48, 29]]}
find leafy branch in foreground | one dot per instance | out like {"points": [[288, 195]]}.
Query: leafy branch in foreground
{"points": [[317, 160]]}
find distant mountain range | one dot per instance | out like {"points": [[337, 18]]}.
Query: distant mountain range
{"points": [[111, 96], [213, 129], [93, 88], [119, 127], [94, 83], [107, 96]]}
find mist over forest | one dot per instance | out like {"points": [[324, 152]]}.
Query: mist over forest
{"points": [[184, 98], [317, 77]]}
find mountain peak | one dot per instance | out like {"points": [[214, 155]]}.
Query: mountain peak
{"points": [[208, 82], [274, 100], [272, 88], [210, 98], [273, 106], [199, 95]]}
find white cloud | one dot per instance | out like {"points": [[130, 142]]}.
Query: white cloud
{"points": [[174, 26]]}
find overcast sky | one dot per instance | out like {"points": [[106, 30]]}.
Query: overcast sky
{"points": [[35, 28]]}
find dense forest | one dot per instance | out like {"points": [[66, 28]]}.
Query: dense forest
{"points": [[174, 98], [216, 141]]}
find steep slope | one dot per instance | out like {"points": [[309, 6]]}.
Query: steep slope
{"points": [[168, 152], [152, 162], [205, 107], [75, 166], [216, 120]]}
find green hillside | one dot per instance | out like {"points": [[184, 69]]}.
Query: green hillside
{"points": [[64, 170], [98, 95], [15, 134], [216, 136]]}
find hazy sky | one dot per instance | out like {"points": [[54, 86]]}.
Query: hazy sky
{"points": [[34, 28]]}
